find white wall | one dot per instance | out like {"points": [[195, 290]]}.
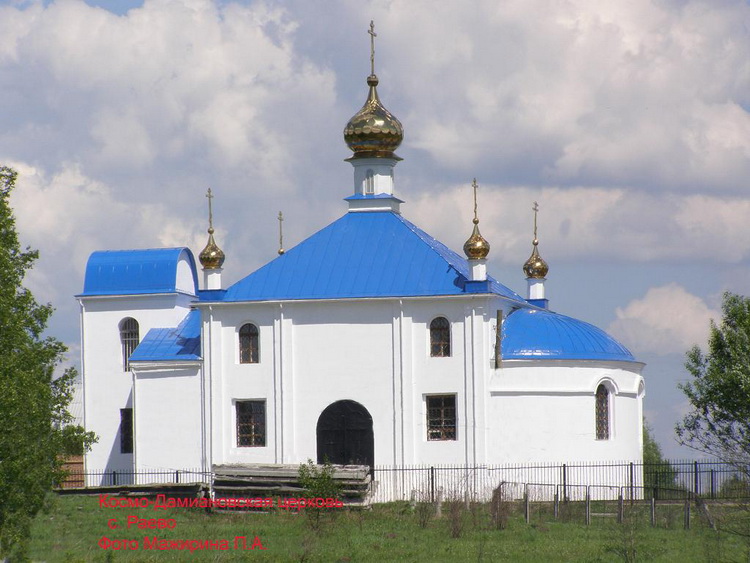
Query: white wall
{"points": [[168, 420], [374, 352], [546, 412], [107, 387]]}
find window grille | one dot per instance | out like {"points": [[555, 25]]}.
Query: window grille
{"points": [[126, 431], [602, 413], [370, 182], [249, 344], [129, 338], [440, 338], [441, 417], [251, 423]]}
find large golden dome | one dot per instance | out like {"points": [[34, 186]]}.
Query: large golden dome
{"points": [[373, 131]]}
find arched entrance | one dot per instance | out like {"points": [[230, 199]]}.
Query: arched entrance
{"points": [[345, 435]]}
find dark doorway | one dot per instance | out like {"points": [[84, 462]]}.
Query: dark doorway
{"points": [[345, 435]]}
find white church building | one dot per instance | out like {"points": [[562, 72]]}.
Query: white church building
{"points": [[369, 342]]}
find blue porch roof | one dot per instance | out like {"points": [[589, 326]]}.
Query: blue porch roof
{"points": [[360, 255], [169, 344]]}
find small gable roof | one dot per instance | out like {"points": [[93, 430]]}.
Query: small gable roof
{"points": [[132, 272], [170, 344], [544, 335], [360, 255]]}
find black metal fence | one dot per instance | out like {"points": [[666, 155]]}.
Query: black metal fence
{"points": [[677, 479], [116, 477], [672, 480]]}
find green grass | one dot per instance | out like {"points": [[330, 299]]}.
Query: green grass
{"points": [[71, 529]]}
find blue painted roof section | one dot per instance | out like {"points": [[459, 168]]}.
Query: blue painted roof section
{"points": [[133, 272], [544, 335], [372, 196], [362, 254], [169, 344]]}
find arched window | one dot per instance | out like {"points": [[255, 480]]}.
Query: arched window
{"points": [[440, 338], [370, 182], [129, 339], [249, 349], [602, 413]]}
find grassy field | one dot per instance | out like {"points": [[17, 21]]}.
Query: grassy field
{"points": [[72, 528]]}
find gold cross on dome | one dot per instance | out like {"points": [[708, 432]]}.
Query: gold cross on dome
{"points": [[536, 210], [210, 196], [373, 35], [281, 234], [475, 186]]}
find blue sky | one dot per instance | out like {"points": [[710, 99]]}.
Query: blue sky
{"points": [[627, 122]]}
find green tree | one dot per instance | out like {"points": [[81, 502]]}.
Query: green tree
{"points": [[658, 473], [719, 393], [32, 402]]}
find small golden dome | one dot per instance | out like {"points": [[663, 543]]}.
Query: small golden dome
{"points": [[535, 267], [373, 131], [211, 257], [476, 248]]}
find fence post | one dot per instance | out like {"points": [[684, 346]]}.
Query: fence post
{"points": [[557, 502], [114, 478], [588, 505], [177, 476], [565, 482], [432, 484], [696, 479], [653, 511], [526, 503], [713, 484], [632, 483], [687, 513], [620, 507]]}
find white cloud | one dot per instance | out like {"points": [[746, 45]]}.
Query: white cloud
{"points": [[591, 223], [190, 82], [577, 93], [667, 320]]}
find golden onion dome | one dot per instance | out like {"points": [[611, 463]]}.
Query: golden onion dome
{"points": [[476, 247], [373, 131], [211, 257], [535, 267]]}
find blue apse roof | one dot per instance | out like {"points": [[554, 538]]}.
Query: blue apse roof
{"points": [[362, 254], [126, 272], [537, 334], [164, 344]]}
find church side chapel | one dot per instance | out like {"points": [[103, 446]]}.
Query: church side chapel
{"points": [[369, 342]]}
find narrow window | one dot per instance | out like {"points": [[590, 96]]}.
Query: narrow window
{"points": [[129, 338], [370, 182], [440, 338], [126, 431], [249, 344], [251, 424], [602, 413], [441, 417]]}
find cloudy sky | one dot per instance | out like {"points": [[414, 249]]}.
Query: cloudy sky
{"points": [[629, 123]]}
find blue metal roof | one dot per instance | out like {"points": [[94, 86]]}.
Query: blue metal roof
{"points": [[373, 196], [362, 254], [165, 344], [126, 272], [536, 334]]}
